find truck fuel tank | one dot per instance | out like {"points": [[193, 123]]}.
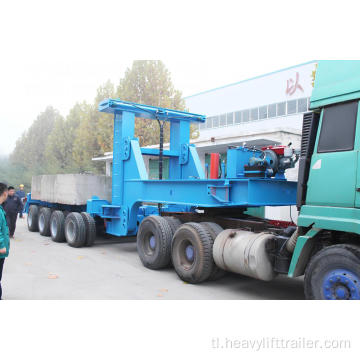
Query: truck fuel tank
{"points": [[244, 252]]}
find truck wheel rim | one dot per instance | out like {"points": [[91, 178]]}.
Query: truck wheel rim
{"points": [[341, 284], [152, 242], [53, 227], [70, 231], [29, 218], [41, 222], [190, 253], [187, 254]]}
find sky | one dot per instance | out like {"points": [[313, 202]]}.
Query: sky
{"points": [[59, 52]]}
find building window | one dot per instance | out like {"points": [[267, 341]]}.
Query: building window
{"points": [[272, 110], [254, 114], [263, 112], [238, 117], [223, 120], [281, 108], [230, 118], [245, 115], [291, 107], [302, 105]]}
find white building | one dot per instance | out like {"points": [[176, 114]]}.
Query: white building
{"points": [[264, 110]]}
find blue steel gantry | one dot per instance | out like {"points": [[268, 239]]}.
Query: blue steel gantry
{"points": [[187, 186]]}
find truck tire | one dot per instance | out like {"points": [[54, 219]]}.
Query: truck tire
{"points": [[90, 228], [154, 242], [57, 226], [75, 231], [191, 253], [44, 221], [32, 218], [334, 274], [214, 230], [173, 222]]}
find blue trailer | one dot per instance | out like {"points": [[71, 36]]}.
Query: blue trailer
{"points": [[200, 225], [177, 220]]}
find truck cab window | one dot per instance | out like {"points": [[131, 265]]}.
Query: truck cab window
{"points": [[338, 128]]}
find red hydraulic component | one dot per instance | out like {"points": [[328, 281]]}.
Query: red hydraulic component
{"points": [[277, 149], [214, 165]]}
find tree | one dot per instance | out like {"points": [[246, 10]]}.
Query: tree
{"points": [[149, 82], [60, 143], [29, 151], [94, 134]]}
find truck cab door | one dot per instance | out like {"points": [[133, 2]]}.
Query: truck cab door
{"points": [[333, 177]]}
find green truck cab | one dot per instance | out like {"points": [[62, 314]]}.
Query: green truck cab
{"points": [[326, 246]]}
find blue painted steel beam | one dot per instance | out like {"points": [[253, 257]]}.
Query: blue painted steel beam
{"points": [[212, 193], [146, 111], [155, 152]]}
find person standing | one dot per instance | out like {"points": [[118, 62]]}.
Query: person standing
{"points": [[12, 207], [21, 194], [4, 232]]}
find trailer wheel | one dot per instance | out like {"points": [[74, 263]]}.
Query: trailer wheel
{"points": [[32, 218], [44, 221], [214, 230], [57, 226], [173, 222], [154, 242], [334, 274], [90, 228], [75, 230], [191, 253]]}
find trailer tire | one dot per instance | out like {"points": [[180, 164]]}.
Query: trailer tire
{"points": [[44, 221], [32, 218], [75, 230], [90, 228], [154, 242], [191, 253], [334, 274], [57, 226], [173, 222], [214, 230]]}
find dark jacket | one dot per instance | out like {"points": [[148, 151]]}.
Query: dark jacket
{"points": [[12, 205], [4, 234]]}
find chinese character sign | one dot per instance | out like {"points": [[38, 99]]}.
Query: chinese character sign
{"points": [[293, 85]]}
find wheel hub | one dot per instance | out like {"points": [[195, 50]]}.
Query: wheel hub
{"points": [[41, 222], [152, 242], [189, 252], [53, 227], [341, 284]]}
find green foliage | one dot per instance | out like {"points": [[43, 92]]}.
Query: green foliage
{"points": [[54, 144], [149, 82], [14, 175], [29, 151]]}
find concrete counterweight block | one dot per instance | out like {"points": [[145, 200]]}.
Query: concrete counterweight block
{"points": [[70, 189]]}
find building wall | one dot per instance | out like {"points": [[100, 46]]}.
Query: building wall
{"points": [[282, 86]]}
